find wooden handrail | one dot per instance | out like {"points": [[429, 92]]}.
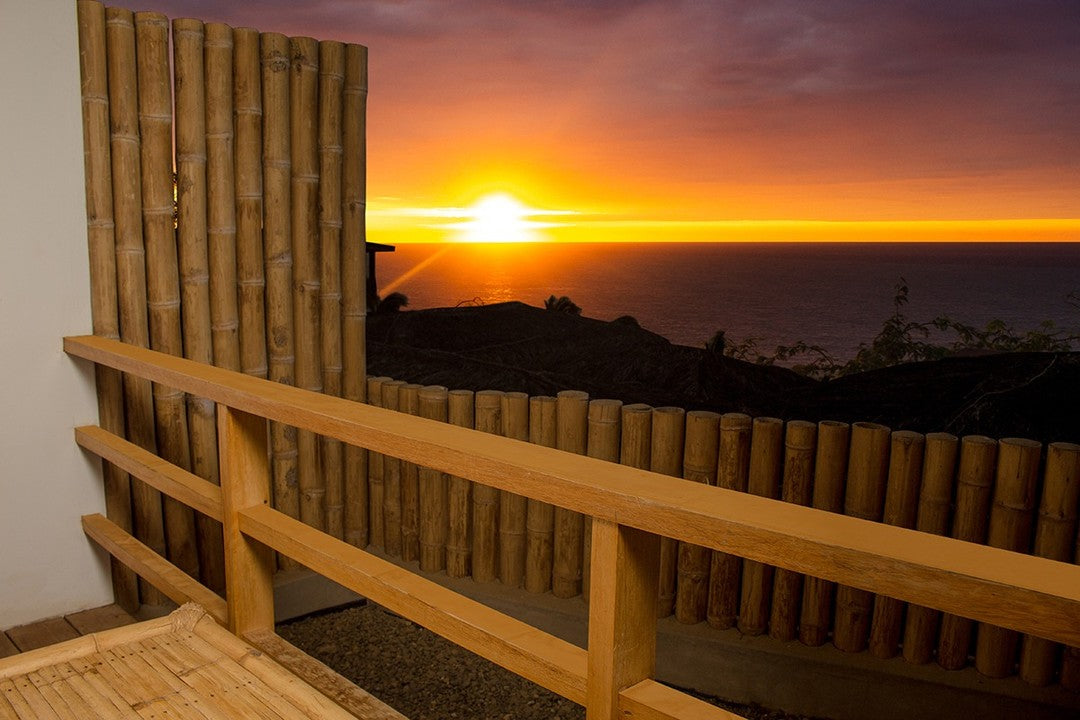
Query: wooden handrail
{"points": [[1026, 593]]}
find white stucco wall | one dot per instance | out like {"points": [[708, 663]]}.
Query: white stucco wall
{"points": [[47, 567]]}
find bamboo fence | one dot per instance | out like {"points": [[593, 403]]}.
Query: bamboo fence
{"points": [[259, 266]]}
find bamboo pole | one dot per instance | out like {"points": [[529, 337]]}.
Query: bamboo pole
{"points": [[354, 282], [864, 497], [901, 509], [700, 452], [935, 506], [571, 436], [1011, 520], [1055, 537], [433, 498], [485, 499], [797, 484], [766, 468], [277, 248], [307, 280], [1070, 656], [666, 458], [732, 473], [602, 444], [461, 412], [391, 400], [540, 516], [830, 477], [147, 516], [974, 481], [194, 262], [331, 81], [171, 415], [409, 402], [513, 508], [376, 475], [250, 277], [101, 240], [635, 445]]}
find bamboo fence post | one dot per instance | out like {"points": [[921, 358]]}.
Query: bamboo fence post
{"points": [[635, 444], [376, 483], [409, 402], [1011, 516], [277, 249], [391, 400], [221, 196], [485, 499], [732, 472], [250, 277], [901, 509], [461, 412], [307, 280], [162, 282], [766, 467], [354, 282], [540, 516], [194, 265], [1070, 656], [974, 483], [1055, 536], [602, 444], [147, 517], [796, 488], [571, 436], [513, 508], [433, 498], [666, 458], [864, 498], [700, 453], [934, 513], [101, 241], [331, 81], [830, 477]]}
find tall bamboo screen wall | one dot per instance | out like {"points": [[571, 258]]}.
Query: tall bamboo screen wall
{"points": [[1010, 493], [258, 266], [262, 270]]}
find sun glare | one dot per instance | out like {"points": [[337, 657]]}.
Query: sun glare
{"points": [[498, 218]]}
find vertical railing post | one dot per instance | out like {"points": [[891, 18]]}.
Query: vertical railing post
{"points": [[245, 483], [622, 614]]}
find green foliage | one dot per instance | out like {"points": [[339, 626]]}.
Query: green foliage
{"points": [[902, 340], [562, 304]]}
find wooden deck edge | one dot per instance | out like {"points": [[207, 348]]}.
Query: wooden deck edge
{"points": [[339, 689], [159, 572], [650, 700]]}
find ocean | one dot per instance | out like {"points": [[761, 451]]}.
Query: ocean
{"points": [[832, 295]]}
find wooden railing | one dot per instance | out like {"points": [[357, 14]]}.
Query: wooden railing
{"points": [[629, 510]]}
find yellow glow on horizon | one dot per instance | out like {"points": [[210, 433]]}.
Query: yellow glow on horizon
{"points": [[498, 218]]}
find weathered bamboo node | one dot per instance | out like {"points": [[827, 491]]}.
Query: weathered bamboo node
{"points": [[974, 483], [603, 444], [461, 412], [485, 499], [766, 461], [798, 476], [666, 458], [732, 472], [571, 436], [700, 453], [934, 515], [864, 498], [513, 508], [433, 486], [540, 516], [409, 402]]}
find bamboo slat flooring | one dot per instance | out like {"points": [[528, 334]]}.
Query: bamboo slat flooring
{"points": [[180, 666]]}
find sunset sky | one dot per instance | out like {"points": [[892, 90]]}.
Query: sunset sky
{"points": [[702, 120]]}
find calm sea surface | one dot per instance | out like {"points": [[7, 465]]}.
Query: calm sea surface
{"points": [[833, 295]]}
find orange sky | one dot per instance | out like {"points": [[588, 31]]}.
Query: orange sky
{"points": [[669, 120]]}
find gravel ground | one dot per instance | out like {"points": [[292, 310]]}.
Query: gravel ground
{"points": [[426, 677]]}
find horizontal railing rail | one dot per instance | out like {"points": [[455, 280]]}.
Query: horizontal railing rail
{"points": [[629, 507]]}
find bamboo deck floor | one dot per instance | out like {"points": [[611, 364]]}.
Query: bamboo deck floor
{"points": [[183, 665]]}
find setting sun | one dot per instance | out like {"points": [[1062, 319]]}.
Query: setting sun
{"points": [[498, 218]]}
